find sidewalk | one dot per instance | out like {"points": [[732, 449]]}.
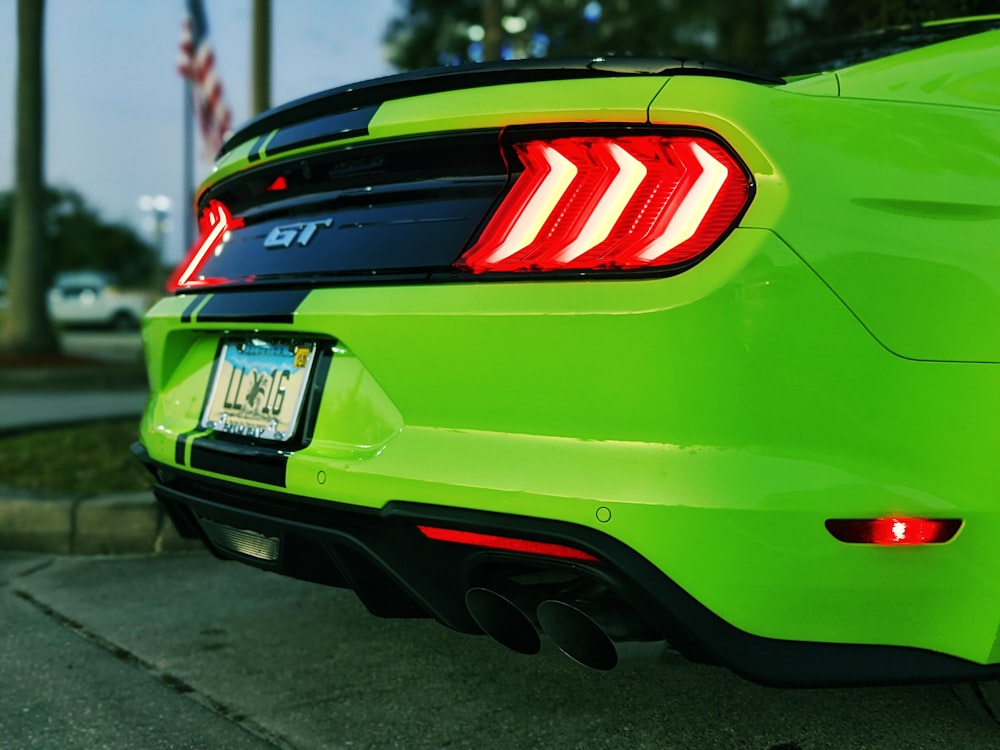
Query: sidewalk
{"points": [[19, 411], [75, 392]]}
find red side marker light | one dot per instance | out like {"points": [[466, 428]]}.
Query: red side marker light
{"points": [[214, 226], [894, 531], [511, 544]]}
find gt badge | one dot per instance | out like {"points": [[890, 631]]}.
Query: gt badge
{"points": [[284, 236]]}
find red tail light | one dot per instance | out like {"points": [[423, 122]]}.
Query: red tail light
{"points": [[894, 531], [596, 202], [214, 226]]}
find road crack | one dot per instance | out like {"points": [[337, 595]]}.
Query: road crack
{"points": [[170, 681], [38, 567]]}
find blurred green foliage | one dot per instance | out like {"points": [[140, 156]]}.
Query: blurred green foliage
{"points": [[78, 238], [427, 33]]}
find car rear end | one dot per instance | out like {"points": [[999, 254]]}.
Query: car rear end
{"points": [[554, 349]]}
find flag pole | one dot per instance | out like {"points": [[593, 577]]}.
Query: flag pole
{"points": [[187, 196], [196, 65]]}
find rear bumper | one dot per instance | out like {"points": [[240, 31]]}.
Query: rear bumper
{"points": [[397, 571]]}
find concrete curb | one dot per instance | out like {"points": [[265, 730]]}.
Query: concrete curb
{"points": [[131, 523]]}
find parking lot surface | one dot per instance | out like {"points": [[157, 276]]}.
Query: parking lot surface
{"points": [[186, 651]]}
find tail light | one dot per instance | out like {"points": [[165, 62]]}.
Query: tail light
{"points": [[640, 201], [214, 226]]}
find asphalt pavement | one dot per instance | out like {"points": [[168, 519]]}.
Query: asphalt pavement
{"points": [[186, 651]]}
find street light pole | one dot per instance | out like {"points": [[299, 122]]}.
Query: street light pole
{"points": [[158, 206]]}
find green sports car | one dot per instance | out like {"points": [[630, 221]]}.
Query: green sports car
{"points": [[620, 352]]}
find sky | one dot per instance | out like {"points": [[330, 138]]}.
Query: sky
{"points": [[114, 101]]}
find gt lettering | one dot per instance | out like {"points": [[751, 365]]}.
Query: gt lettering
{"points": [[284, 236]]}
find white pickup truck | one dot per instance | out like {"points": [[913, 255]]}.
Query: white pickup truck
{"points": [[88, 298]]}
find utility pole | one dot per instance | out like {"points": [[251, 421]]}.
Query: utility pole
{"points": [[261, 57]]}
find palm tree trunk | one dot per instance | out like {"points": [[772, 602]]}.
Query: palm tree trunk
{"points": [[493, 28], [27, 328]]}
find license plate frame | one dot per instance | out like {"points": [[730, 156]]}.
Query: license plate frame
{"points": [[258, 387]]}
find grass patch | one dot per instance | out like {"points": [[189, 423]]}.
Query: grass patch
{"points": [[88, 458]]}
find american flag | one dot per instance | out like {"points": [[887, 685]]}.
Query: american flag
{"points": [[197, 64]]}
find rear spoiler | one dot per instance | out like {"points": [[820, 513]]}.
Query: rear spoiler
{"points": [[368, 95]]}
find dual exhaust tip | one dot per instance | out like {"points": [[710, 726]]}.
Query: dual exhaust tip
{"points": [[597, 630]]}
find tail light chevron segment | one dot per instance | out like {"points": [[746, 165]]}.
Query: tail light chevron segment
{"points": [[641, 201], [214, 226]]}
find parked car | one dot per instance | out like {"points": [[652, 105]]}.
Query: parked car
{"points": [[90, 298], [615, 351]]}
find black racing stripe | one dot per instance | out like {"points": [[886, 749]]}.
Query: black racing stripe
{"points": [[330, 128], [179, 447], [189, 310], [266, 466], [256, 148], [253, 307]]}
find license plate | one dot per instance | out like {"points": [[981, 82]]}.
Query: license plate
{"points": [[258, 387]]}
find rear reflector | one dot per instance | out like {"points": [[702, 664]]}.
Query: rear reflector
{"points": [[603, 203], [511, 544], [894, 531]]}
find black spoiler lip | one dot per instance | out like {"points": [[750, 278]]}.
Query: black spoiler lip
{"points": [[435, 80]]}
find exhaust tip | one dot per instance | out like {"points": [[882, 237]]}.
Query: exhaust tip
{"points": [[501, 619], [577, 635], [600, 634]]}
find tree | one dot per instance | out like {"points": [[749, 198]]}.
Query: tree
{"points": [[27, 328], [445, 32], [78, 239], [427, 33], [492, 29]]}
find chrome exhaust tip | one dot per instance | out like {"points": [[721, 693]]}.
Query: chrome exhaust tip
{"points": [[506, 612], [599, 633], [503, 621]]}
